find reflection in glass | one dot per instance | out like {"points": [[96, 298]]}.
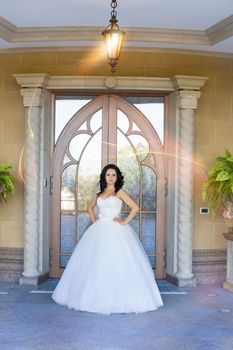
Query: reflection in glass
{"points": [[122, 121], [64, 260], [67, 233], [89, 170], [77, 144], [83, 222], [153, 109], [127, 162], [83, 126], [96, 121], [66, 160], [154, 112], [68, 182], [148, 233], [65, 108], [152, 261], [148, 189], [135, 127], [140, 145], [133, 223]]}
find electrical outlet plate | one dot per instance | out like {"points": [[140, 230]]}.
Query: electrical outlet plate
{"points": [[204, 210]]}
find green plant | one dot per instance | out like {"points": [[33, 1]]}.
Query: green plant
{"points": [[218, 189], [7, 185]]}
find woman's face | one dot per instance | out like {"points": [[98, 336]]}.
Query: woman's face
{"points": [[111, 177]]}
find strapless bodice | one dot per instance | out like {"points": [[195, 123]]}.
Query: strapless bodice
{"points": [[109, 207]]}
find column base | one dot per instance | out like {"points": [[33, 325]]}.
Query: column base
{"points": [[228, 285], [33, 281], [186, 282], [182, 282]]}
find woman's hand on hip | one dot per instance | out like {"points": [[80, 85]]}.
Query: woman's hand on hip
{"points": [[120, 221]]}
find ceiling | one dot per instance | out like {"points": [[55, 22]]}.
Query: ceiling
{"points": [[198, 25]]}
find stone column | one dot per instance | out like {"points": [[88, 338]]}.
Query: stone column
{"points": [[34, 92], [32, 99], [228, 284], [186, 104]]}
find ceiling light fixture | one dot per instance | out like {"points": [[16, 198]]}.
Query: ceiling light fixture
{"points": [[113, 37]]}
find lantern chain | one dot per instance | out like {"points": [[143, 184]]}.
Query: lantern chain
{"points": [[113, 13]]}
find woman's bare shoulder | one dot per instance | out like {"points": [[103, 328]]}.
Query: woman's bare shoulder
{"points": [[121, 193]]}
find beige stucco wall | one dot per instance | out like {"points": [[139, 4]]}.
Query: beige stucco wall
{"points": [[213, 123]]}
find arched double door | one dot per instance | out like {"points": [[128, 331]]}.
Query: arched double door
{"points": [[108, 129]]}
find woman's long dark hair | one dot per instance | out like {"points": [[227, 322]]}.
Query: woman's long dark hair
{"points": [[119, 182]]}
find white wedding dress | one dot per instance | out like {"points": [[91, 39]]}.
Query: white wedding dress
{"points": [[108, 271]]}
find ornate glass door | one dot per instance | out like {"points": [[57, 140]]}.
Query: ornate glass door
{"points": [[108, 129]]}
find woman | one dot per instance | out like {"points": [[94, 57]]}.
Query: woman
{"points": [[109, 271]]}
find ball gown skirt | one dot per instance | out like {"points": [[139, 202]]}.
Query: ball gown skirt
{"points": [[109, 271]]}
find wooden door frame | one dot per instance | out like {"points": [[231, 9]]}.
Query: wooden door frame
{"points": [[109, 134]]}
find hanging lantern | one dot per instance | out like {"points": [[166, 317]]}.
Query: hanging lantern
{"points": [[113, 37]]}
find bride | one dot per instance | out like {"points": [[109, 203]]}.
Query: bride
{"points": [[109, 271]]}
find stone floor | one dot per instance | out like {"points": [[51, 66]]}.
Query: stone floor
{"points": [[200, 319]]}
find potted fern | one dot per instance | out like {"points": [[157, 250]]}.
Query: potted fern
{"points": [[218, 189], [7, 186]]}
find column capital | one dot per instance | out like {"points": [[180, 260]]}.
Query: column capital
{"points": [[32, 97], [187, 99], [186, 82], [35, 80]]}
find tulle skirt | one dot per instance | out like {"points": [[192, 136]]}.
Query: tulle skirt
{"points": [[108, 272]]}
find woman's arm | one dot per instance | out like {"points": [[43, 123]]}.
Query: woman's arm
{"points": [[133, 206], [91, 207]]}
